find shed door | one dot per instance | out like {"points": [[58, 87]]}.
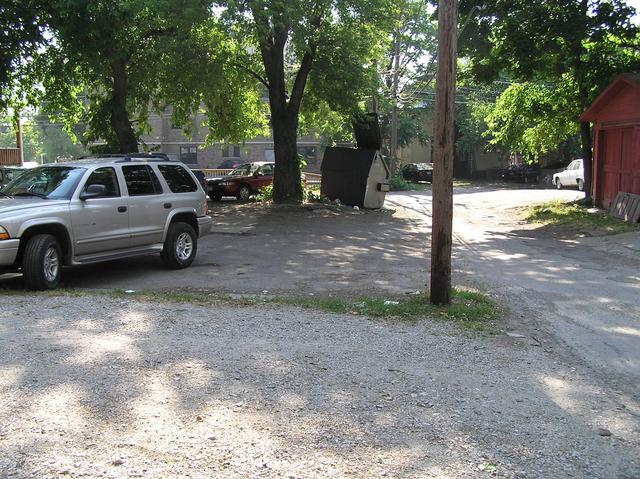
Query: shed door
{"points": [[621, 163]]}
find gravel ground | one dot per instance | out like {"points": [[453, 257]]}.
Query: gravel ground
{"points": [[92, 386]]}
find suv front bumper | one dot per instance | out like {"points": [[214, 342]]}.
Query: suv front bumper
{"points": [[9, 251]]}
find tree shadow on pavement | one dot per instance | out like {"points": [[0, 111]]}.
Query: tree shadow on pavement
{"points": [[255, 248]]}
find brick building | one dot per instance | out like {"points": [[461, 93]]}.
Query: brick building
{"points": [[167, 138]]}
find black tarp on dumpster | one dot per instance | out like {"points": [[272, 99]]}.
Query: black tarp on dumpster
{"points": [[366, 129], [344, 174]]}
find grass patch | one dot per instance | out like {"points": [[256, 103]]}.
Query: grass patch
{"points": [[463, 183], [470, 309], [50, 293], [576, 216]]}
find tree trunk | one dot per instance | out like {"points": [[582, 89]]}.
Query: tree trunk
{"points": [[273, 37], [19, 142], [120, 122], [577, 49], [286, 179], [587, 156], [284, 117], [442, 217], [394, 107], [284, 123]]}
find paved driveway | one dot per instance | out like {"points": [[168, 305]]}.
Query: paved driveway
{"points": [[580, 291]]}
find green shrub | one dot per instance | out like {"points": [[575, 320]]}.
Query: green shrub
{"points": [[398, 183], [265, 194], [312, 195]]}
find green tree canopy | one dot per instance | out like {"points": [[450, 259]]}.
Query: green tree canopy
{"points": [[107, 62], [107, 57], [533, 118], [581, 44], [306, 55], [20, 37], [407, 72]]}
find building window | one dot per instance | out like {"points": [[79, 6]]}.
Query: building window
{"points": [[189, 155], [231, 151]]}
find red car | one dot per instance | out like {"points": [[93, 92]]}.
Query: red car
{"points": [[244, 181]]}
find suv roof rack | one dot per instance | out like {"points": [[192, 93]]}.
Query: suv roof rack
{"points": [[123, 157]]}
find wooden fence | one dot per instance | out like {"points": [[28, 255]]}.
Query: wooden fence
{"points": [[213, 172], [9, 156], [313, 179]]}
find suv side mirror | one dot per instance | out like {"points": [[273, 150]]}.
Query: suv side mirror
{"points": [[93, 191]]}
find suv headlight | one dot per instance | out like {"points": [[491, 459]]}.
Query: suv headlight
{"points": [[4, 234]]}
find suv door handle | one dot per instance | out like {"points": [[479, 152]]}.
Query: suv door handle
{"points": [[167, 205], [122, 209]]}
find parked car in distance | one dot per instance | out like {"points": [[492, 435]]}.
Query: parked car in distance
{"points": [[521, 173], [242, 182], [97, 209], [8, 173], [416, 172], [228, 164], [572, 175]]}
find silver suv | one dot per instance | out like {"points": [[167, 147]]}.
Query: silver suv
{"points": [[98, 209]]}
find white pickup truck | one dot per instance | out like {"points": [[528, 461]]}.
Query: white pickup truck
{"points": [[572, 175]]}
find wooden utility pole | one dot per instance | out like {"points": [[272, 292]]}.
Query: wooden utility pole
{"points": [[443, 140], [19, 144]]}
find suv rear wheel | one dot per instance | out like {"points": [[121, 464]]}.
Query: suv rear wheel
{"points": [[42, 262], [180, 246]]}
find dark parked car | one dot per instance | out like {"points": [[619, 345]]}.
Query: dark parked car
{"points": [[244, 181], [416, 172], [228, 164], [521, 173]]}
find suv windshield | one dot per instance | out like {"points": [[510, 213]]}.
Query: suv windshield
{"points": [[51, 182]]}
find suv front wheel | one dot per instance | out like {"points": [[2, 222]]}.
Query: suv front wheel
{"points": [[180, 246], [42, 262]]}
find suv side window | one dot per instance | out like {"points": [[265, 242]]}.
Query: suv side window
{"points": [[178, 178], [141, 180], [107, 177]]}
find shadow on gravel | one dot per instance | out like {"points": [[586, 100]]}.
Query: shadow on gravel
{"points": [[125, 388]]}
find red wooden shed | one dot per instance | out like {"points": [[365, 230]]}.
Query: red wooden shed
{"points": [[616, 139]]}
